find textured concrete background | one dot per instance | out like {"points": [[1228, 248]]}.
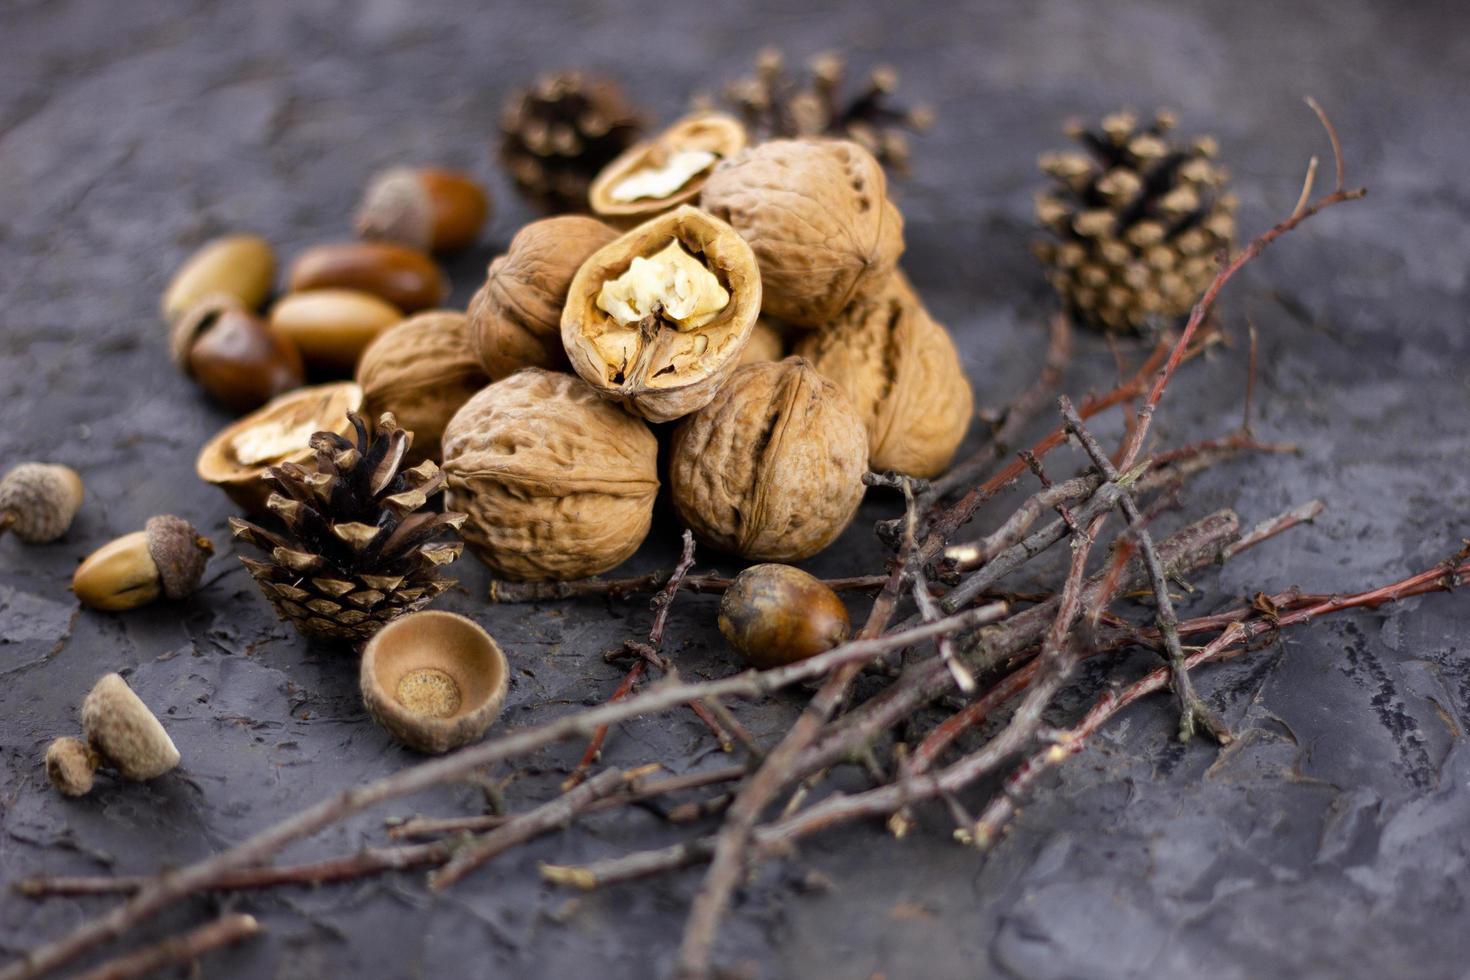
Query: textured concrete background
{"points": [[1333, 841]]}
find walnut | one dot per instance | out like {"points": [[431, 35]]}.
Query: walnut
{"points": [[558, 483], [515, 318], [767, 342], [817, 215], [664, 172], [422, 371], [772, 468], [901, 372], [658, 318]]}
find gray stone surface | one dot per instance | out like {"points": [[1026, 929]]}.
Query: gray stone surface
{"points": [[1333, 842]]}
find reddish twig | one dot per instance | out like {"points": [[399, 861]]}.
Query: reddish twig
{"points": [[661, 603], [593, 751]]}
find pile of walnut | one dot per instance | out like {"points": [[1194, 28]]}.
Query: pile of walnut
{"points": [[664, 317]]}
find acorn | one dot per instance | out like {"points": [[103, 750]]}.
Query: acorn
{"points": [[70, 765], [404, 277], [165, 559], [332, 327], [129, 737], [242, 266], [425, 208], [776, 614], [39, 500], [233, 355]]}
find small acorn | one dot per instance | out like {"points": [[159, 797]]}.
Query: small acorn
{"points": [[776, 614], [405, 277], [39, 500], [70, 765], [331, 327], [128, 736], [233, 355], [166, 558], [425, 208], [243, 266]]}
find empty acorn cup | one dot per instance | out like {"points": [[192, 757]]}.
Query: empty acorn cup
{"points": [[435, 680]]}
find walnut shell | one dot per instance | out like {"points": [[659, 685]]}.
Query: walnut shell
{"points": [[772, 469], [816, 213], [558, 483], [767, 343], [901, 372], [663, 372], [422, 371], [711, 133], [515, 318]]}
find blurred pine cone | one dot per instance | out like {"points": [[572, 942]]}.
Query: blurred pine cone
{"points": [[559, 133], [773, 105], [1137, 222]]}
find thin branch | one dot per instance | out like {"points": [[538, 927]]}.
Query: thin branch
{"points": [[623, 588], [1192, 708], [1304, 514], [1341, 183], [640, 789], [928, 608], [547, 817], [224, 931]]}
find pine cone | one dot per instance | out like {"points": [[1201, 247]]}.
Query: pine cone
{"points": [[559, 134], [774, 106], [1139, 222], [359, 549]]}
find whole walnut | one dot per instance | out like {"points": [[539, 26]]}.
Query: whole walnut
{"points": [[816, 213], [772, 469], [558, 483], [900, 370], [515, 318], [659, 318], [422, 371]]}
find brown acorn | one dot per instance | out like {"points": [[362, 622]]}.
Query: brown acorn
{"points": [[233, 354], [164, 560], [425, 208], [776, 614], [404, 277]]}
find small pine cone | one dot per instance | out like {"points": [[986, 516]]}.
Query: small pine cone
{"points": [[558, 134], [1137, 222]]}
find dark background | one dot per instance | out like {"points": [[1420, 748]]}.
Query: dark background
{"points": [[1333, 841]]}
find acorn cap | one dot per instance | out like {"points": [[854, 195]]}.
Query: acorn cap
{"points": [[125, 733], [70, 765], [396, 207], [435, 680], [179, 551]]}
